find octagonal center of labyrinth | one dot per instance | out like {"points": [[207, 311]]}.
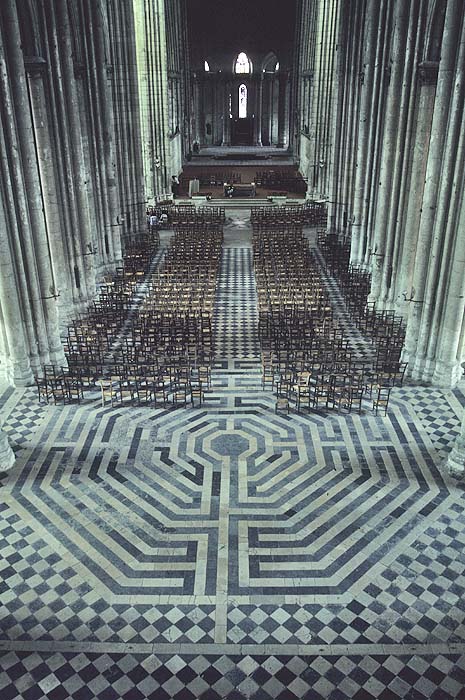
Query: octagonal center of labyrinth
{"points": [[306, 505], [230, 444]]}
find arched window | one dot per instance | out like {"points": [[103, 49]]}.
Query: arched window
{"points": [[206, 67], [243, 64], [242, 101]]}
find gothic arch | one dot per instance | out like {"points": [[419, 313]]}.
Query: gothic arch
{"points": [[243, 59], [29, 29], [269, 62], [435, 30]]}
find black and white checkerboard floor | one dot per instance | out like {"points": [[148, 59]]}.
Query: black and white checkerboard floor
{"points": [[133, 676], [226, 552]]}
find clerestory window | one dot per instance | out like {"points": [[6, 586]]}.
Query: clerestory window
{"points": [[243, 64]]}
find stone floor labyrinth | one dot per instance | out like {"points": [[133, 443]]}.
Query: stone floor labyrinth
{"points": [[224, 551]]}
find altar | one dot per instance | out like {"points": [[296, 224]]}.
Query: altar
{"points": [[239, 189]]}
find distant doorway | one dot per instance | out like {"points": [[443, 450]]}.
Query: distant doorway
{"points": [[242, 132]]}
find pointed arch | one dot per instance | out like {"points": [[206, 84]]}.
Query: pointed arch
{"points": [[269, 62], [435, 31], [242, 64], [29, 29]]}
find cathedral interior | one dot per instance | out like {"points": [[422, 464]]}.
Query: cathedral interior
{"points": [[232, 341]]}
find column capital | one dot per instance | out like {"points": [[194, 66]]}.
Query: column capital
{"points": [[428, 72], [79, 69], [35, 65]]}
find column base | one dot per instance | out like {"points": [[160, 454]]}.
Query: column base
{"points": [[18, 373], [7, 456], [442, 374], [447, 374], [456, 460], [417, 365], [58, 357]]}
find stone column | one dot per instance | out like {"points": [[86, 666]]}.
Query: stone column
{"points": [[390, 155], [15, 340], [151, 50], [445, 347], [445, 303], [106, 109], [331, 102], [415, 182], [282, 82], [456, 458], [137, 202], [271, 87], [77, 179], [196, 109], [46, 318], [366, 78], [201, 110], [380, 82], [259, 109], [20, 305], [345, 77], [355, 31], [226, 119], [60, 263], [400, 190], [287, 112], [66, 181], [7, 456], [434, 210]]}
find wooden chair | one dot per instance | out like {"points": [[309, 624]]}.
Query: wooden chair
{"points": [[197, 392], [282, 403], [381, 399], [74, 388], [301, 389], [44, 390], [109, 389], [353, 397]]}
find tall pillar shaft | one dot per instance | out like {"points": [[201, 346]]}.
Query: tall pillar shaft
{"points": [[388, 184], [456, 458], [434, 232], [259, 110], [7, 456], [362, 165], [282, 81]]}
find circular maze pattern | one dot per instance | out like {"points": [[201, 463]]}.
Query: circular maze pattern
{"points": [[152, 506]]}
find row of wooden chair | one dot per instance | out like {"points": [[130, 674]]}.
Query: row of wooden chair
{"points": [[384, 328], [307, 357], [132, 335]]}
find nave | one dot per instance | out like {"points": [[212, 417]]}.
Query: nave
{"points": [[226, 551]]}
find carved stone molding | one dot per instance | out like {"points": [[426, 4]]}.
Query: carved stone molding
{"points": [[35, 65], [428, 72]]}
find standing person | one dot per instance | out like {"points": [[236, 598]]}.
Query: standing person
{"points": [[153, 222], [174, 185]]}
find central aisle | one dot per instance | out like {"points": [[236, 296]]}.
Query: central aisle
{"points": [[235, 320]]}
